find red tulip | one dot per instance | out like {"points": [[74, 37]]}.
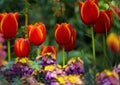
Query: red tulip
{"points": [[104, 23], [63, 33], [22, 47], [48, 49], [89, 11], [36, 33], [70, 46], [8, 24], [115, 10]]}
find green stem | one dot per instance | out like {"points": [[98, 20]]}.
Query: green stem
{"points": [[63, 57], [8, 46], [38, 51], [104, 49], [26, 12], [93, 48]]}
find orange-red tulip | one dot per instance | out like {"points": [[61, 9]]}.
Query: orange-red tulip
{"points": [[63, 33], [70, 46], [48, 49], [36, 33], [22, 47], [115, 10], [8, 24], [89, 11], [104, 23], [113, 42]]}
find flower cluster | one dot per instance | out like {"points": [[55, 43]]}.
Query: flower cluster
{"points": [[65, 75], [75, 66], [19, 69], [107, 78]]}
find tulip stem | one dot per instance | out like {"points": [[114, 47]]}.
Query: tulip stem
{"points": [[38, 51], [26, 12], [93, 48], [104, 49], [8, 46], [63, 57]]}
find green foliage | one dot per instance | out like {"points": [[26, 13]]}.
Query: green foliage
{"points": [[35, 65]]}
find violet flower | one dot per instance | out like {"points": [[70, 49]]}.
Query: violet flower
{"points": [[107, 78]]}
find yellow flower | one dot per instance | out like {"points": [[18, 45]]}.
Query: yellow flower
{"points": [[108, 73], [59, 66], [22, 60], [61, 79], [34, 72], [80, 60], [49, 68], [71, 79]]}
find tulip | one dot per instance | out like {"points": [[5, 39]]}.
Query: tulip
{"points": [[113, 42], [36, 33], [8, 24], [115, 10], [63, 33], [89, 11], [70, 46], [104, 23], [48, 49], [22, 47]]}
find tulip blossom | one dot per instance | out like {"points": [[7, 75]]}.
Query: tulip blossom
{"points": [[48, 49], [22, 47], [36, 33], [113, 42], [63, 33], [89, 11], [8, 24], [115, 10], [104, 22], [70, 46]]}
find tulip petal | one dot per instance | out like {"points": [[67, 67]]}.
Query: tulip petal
{"points": [[63, 34], [24, 48], [17, 47], [103, 24], [71, 44], [36, 36], [16, 15], [9, 26], [93, 10]]}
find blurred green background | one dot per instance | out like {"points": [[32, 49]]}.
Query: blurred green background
{"points": [[49, 12]]}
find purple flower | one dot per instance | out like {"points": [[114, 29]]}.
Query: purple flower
{"points": [[75, 68], [117, 69], [46, 60], [107, 78]]}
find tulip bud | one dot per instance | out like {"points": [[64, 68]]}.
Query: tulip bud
{"points": [[9, 24], [104, 22], [22, 47], [89, 11], [63, 33], [48, 49], [36, 33]]}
